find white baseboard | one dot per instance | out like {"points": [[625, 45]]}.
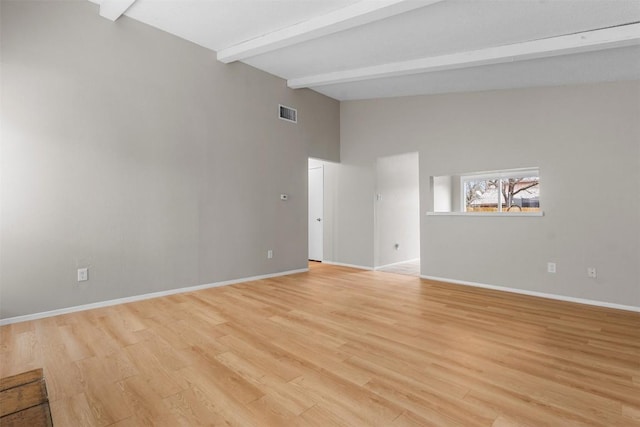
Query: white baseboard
{"points": [[341, 264], [125, 300], [395, 263], [536, 294]]}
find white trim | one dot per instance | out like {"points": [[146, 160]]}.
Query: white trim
{"points": [[134, 298], [535, 294], [360, 13], [588, 41], [503, 214], [113, 9], [341, 264], [395, 263], [502, 173]]}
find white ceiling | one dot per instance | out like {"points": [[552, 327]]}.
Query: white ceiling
{"points": [[350, 49]]}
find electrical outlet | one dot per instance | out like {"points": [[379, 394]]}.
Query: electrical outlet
{"points": [[269, 254], [551, 267], [592, 272], [83, 274]]}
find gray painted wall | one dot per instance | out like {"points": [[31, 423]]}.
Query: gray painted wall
{"points": [[137, 154], [586, 141], [397, 212]]}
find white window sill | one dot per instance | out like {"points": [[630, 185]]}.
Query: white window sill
{"points": [[506, 214]]}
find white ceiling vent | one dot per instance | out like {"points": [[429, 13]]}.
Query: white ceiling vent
{"points": [[289, 114]]}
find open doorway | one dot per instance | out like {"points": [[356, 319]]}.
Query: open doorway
{"points": [[397, 214], [316, 210]]}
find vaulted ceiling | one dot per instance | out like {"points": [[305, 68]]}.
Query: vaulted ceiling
{"points": [[350, 49]]}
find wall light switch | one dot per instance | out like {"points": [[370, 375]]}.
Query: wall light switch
{"points": [[83, 274], [551, 267]]}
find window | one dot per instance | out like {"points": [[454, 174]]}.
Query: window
{"points": [[502, 191]]}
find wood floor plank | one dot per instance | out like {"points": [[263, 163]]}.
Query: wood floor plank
{"points": [[147, 405], [76, 410], [409, 419], [156, 376], [318, 416], [191, 408], [336, 346], [102, 395]]}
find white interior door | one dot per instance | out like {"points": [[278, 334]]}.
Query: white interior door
{"points": [[316, 205]]}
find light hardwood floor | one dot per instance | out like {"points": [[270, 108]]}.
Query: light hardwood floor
{"points": [[336, 346], [410, 268]]}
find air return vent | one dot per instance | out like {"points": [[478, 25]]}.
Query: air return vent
{"points": [[289, 114]]}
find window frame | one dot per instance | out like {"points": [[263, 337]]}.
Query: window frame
{"points": [[500, 176]]}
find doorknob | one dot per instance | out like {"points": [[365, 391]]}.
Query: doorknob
{"points": [[318, 219]]}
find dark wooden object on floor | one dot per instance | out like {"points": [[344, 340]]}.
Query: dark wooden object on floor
{"points": [[24, 401]]}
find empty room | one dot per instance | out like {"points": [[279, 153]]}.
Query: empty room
{"points": [[320, 213]]}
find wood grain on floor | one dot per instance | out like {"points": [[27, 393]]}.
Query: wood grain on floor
{"points": [[336, 346], [410, 268]]}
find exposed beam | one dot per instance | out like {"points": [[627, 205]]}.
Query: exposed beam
{"points": [[608, 38], [113, 9], [351, 16]]}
